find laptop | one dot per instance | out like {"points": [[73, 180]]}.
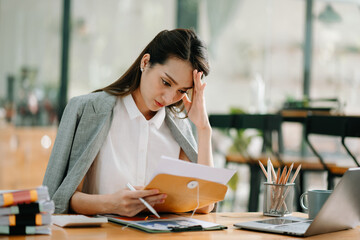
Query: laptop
{"points": [[341, 211]]}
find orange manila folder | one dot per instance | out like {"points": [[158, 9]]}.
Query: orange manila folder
{"points": [[187, 184]]}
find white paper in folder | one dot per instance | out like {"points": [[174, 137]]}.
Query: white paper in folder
{"points": [[182, 168]]}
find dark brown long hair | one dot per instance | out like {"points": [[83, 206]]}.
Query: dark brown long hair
{"points": [[179, 43]]}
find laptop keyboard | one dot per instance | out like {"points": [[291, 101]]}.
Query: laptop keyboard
{"points": [[296, 227]]}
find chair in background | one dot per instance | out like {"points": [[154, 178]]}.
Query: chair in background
{"points": [[352, 129], [308, 163], [267, 125], [271, 127], [335, 126]]}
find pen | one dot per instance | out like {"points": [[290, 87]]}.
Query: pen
{"points": [[144, 202]]}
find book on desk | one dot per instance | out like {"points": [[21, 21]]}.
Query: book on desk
{"points": [[26, 211]]}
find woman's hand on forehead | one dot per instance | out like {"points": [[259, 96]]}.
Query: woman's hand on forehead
{"points": [[196, 108]]}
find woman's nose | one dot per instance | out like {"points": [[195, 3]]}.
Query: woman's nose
{"points": [[169, 97]]}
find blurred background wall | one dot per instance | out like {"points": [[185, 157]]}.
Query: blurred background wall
{"points": [[257, 51]]}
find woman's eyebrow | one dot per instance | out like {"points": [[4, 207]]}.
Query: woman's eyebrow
{"points": [[173, 80]]}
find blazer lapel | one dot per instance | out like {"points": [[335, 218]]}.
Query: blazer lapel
{"points": [[182, 136]]}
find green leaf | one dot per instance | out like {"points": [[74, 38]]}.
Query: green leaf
{"points": [[233, 182]]}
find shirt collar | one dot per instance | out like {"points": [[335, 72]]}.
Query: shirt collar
{"points": [[158, 119], [134, 112], [131, 107]]}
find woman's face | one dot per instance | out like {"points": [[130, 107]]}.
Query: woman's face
{"points": [[162, 85]]}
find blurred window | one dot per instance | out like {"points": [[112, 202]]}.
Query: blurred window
{"points": [[29, 61]]}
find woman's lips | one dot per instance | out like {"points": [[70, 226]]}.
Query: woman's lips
{"points": [[158, 104]]}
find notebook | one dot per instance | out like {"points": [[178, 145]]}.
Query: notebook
{"points": [[77, 220], [341, 211]]}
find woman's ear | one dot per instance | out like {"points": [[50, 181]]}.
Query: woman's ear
{"points": [[145, 61]]}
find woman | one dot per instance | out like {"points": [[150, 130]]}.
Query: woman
{"points": [[116, 134]]}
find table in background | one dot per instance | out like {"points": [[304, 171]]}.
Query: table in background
{"points": [[114, 231]]}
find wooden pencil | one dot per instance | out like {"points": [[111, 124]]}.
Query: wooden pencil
{"points": [[263, 169], [272, 170], [295, 174], [269, 180], [288, 173], [278, 175], [279, 189], [288, 190], [283, 174], [279, 199]]}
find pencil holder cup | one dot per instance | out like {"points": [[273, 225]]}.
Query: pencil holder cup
{"points": [[278, 199]]}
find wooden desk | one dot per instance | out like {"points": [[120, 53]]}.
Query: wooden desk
{"points": [[114, 231]]}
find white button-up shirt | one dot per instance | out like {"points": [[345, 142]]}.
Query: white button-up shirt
{"points": [[131, 150]]}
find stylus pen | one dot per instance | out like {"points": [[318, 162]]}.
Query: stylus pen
{"points": [[144, 202]]}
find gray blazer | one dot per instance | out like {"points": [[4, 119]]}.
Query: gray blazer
{"points": [[81, 133]]}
